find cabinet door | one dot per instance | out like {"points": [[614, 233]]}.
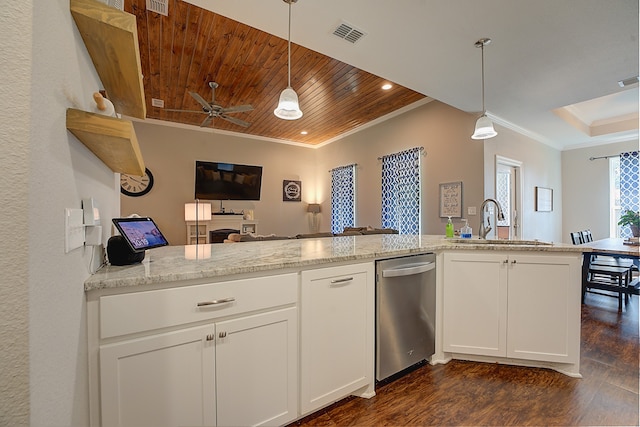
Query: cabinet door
{"points": [[544, 308], [475, 306], [161, 380], [337, 335], [257, 369]]}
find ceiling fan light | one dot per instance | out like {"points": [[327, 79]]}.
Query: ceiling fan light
{"points": [[288, 107], [484, 128]]}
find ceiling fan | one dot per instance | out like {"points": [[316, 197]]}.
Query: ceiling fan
{"points": [[214, 110]]}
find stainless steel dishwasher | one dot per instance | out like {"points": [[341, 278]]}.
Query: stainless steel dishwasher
{"points": [[405, 312]]}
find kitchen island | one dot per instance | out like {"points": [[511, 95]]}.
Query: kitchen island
{"points": [[267, 332]]}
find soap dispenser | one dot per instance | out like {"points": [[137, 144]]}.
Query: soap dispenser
{"points": [[449, 229], [465, 232]]}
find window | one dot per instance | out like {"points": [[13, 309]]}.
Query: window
{"points": [[629, 187], [614, 196], [624, 192], [343, 198], [401, 191]]}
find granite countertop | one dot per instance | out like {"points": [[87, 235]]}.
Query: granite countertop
{"points": [[177, 263]]}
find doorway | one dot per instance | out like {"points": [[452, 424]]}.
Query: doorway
{"points": [[508, 193]]}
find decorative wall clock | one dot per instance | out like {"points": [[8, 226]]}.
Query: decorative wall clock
{"points": [[136, 186]]}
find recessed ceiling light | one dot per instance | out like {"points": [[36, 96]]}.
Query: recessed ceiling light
{"points": [[304, 132], [387, 86]]}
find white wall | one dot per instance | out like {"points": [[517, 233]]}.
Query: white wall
{"points": [[450, 155], [170, 153], [15, 102], [443, 131], [585, 186], [44, 170], [541, 166]]}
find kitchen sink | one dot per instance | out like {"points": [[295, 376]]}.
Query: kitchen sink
{"points": [[478, 241]]}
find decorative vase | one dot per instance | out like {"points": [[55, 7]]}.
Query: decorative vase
{"points": [[635, 230]]}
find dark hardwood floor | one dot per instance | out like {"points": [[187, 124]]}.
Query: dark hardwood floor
{"points": [[482, 394]]}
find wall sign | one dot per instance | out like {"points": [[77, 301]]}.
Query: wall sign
{"points": [[291, 191], [451, 199]]}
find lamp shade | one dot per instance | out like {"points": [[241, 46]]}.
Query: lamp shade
{"points": [[313, 208], [197, 211], [484, 128], [288, 107]]}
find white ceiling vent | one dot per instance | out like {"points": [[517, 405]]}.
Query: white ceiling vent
{"points": [[348, 32], [118, 4], [158, 6]]}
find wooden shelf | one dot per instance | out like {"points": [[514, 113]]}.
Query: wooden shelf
{"points": [[113, 140], [111, 38]]}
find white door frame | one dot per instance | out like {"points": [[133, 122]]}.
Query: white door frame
{"points": [[516, 228]]}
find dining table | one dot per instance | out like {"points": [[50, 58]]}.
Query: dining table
{"points": [[614, 247]]}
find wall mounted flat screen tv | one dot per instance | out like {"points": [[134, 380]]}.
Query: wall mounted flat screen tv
{"points": [[227, 181]]}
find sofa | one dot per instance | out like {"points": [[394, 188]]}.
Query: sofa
{"points": [[348, 231]]}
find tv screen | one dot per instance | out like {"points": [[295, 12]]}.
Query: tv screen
{"points": [[227, 181]]}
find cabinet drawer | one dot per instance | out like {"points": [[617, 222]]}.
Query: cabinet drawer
{"points": [[144, 311]]}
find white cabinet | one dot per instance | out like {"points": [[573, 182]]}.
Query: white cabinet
{"points": [[475, 303], [235, 222], [337, 334], [196, 234], [257, 369], [238, 366], [218, 222], [161, 380], [512, 304]]}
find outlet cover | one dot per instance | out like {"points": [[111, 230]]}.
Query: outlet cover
{"points": [[471, 210], [73, 229]]}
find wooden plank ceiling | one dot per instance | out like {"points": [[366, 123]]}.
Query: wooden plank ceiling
{"points": [[191, 47]]}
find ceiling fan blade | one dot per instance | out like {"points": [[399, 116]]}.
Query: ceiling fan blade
{"points": [[237, 109], [206, 121], [197, 97], [235, 121], [183, 111]]}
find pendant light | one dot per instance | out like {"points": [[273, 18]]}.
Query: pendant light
{"points": [[484, 126], [288, 107]]}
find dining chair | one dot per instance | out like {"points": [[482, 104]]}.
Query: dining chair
{"points": [[586, 236], [576, 238]]}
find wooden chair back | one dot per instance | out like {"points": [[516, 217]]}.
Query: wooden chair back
{"points": [[576, 238]]}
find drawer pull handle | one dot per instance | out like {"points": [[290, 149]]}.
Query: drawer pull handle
{"points": [[216, 301], [341, 281]]}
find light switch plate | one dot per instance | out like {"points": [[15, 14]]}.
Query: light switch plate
{"points": [[73, 229], [471, 210]]}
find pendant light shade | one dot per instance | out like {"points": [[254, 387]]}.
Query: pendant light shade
{"points": [[484, 126], [288, 106]]}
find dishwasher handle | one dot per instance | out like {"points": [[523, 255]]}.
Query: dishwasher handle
{"points": [[409, 269]]}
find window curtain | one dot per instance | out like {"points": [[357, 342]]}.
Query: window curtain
{"points": [[401, 191], [343, 198], [629, 191]]}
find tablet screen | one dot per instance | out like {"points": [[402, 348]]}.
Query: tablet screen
{"points": [[140, 233]]}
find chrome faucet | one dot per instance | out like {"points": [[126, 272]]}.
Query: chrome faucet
{"points": [[485, 230]]}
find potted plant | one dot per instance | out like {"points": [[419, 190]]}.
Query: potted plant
{"points": [[632, 219]]}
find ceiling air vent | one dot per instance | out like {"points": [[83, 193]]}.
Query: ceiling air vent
{"points": [[348, 32], [158, 6]]}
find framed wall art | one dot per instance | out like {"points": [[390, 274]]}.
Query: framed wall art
{"points": [[544, 199], [451, 199], [291, 191]]}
